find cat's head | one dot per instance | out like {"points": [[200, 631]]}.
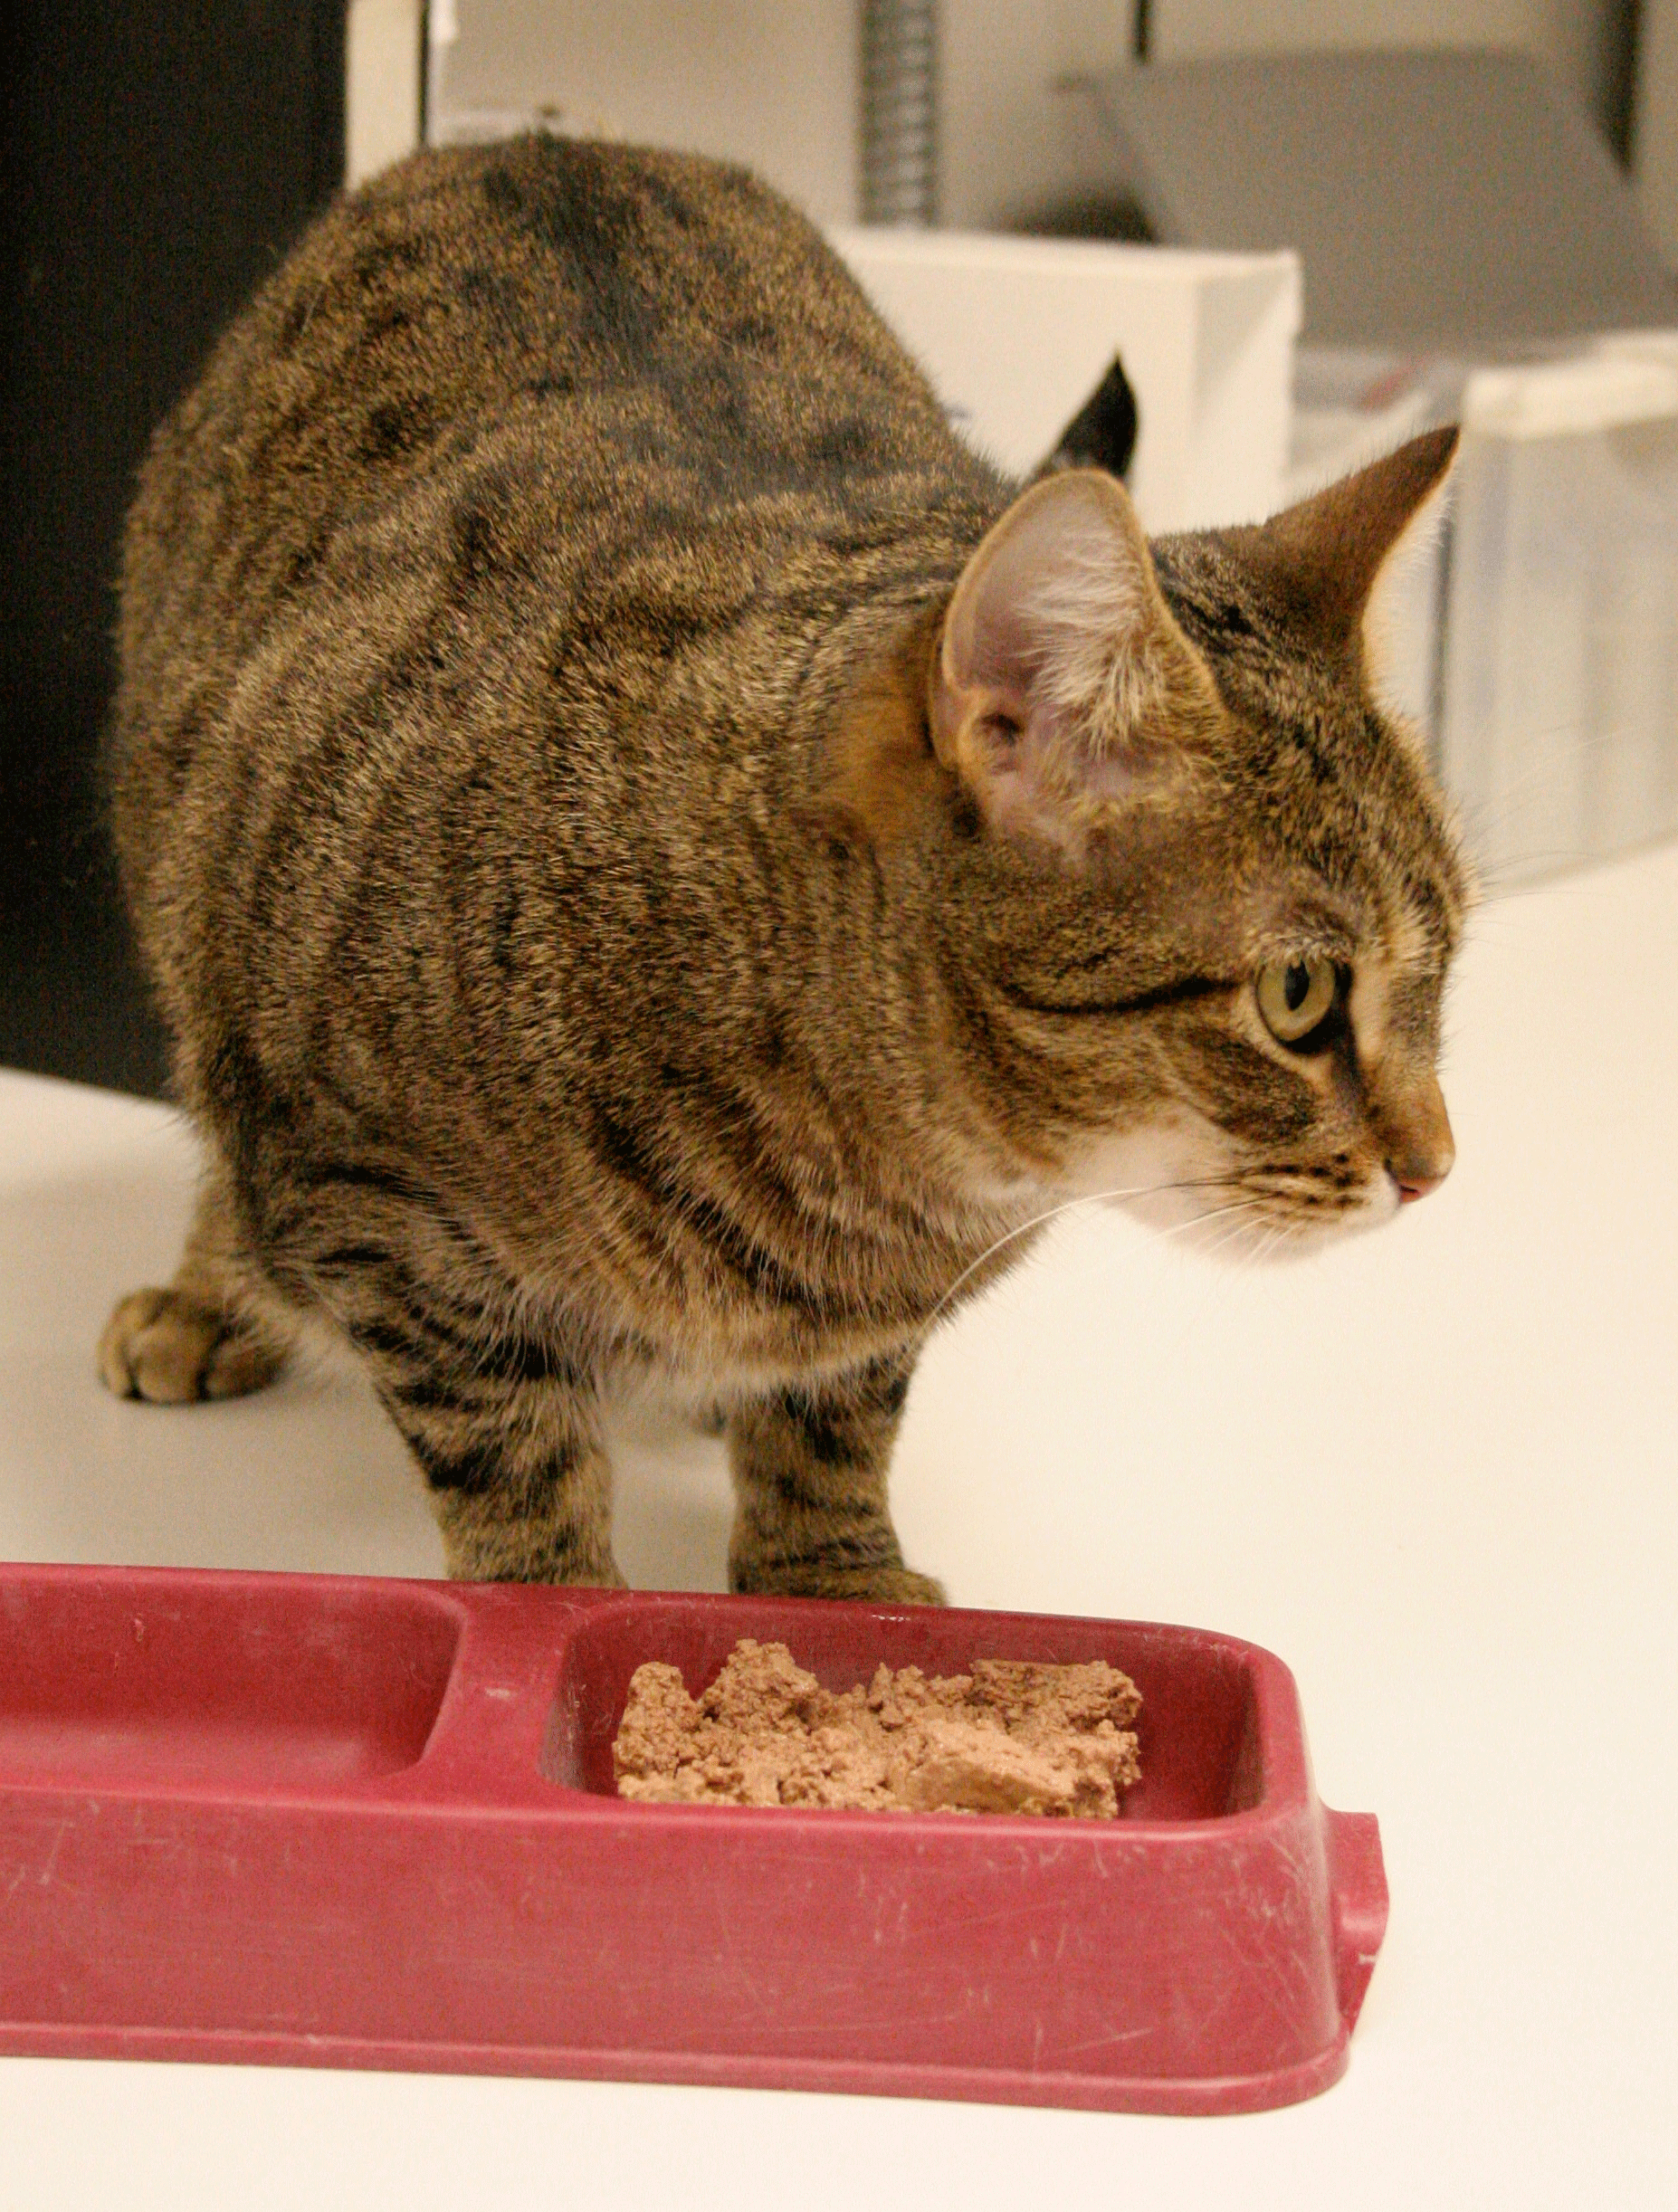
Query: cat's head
{"points": [[1204, 891]]}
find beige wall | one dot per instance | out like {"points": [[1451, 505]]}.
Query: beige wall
{"points": [[382, 89], [770, 82], [773, 82], [1010, 144]]}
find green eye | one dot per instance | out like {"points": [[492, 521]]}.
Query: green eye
{"points": [[1293, 996]]}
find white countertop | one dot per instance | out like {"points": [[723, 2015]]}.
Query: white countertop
{"points": [[1435, 1470]]}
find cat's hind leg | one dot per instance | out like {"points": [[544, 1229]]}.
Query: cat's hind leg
{"points": [[809, 1467], [198, 1337]]}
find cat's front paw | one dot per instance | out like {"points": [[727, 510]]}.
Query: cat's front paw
{"points": [[873, 1586], [897, 1586], [170, 1349]]}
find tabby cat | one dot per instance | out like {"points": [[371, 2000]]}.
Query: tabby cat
{"points": [[659, 863]]}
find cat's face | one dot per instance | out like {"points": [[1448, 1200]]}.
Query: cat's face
{"points": [[1296, 1099], [1217, 896]]}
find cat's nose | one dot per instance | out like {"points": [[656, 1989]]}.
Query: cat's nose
{"points": [[1423, 1166], [1421, 1151]]}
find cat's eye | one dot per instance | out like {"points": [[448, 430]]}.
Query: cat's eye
{"points": [[1295, 996]]}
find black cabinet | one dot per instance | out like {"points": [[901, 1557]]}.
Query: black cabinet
{"points": [[159, 160]]}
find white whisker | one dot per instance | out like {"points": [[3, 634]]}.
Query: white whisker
{"points": [[1066, 1205], [1233, 1234], [1237, 1206]]}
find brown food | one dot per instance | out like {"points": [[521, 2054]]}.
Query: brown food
{"points": [[1013, 1736]]}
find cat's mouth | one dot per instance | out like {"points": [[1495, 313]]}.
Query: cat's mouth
{"points": [[1238, 1223]]}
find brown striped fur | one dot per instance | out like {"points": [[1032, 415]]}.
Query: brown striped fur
{"points": [[638, 885]]}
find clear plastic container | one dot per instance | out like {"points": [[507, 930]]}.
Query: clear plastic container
{"points": [[1558, 727]]}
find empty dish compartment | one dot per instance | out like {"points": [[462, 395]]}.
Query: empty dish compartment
{"points": [[159, 1681]]}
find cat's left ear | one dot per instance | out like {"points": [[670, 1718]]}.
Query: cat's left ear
{"points": [[1062, 688], [1322, 556]]}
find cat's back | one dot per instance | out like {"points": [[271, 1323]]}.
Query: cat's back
{"points": [[620, 344], [470, 285]]}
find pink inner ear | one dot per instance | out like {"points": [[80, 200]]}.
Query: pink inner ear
{"points": [[1058, 627], [1006, 661], [1060, 583], [1026, 788]]}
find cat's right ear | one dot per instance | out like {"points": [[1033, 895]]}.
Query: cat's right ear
{"points": [[1062, 688]]}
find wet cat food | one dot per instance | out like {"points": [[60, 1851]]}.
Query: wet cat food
{"points": [[1012, 1736]]}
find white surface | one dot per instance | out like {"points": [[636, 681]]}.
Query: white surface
{"points": [[1434, 1470], [1016, 334]]}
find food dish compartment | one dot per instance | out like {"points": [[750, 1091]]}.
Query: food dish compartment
{"points": [[1200, 1737], [154, 1682]]}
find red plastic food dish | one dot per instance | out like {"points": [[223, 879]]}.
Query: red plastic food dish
{"points": [[314, 1821]]}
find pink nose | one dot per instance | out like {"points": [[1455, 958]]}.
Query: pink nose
{"points": [[1414, 1187]]}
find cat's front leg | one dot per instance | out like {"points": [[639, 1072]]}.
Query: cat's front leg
{"points": [[809, 1466], [507, 1436]]}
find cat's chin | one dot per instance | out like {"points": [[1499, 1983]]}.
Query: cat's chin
{"points": [[1281, 1236], [1268, 1244], [1163, 1174]]}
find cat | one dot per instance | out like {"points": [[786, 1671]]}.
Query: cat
{"points": [[659, 862]]}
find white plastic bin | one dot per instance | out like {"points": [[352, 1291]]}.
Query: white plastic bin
{"points": [[1015, 333]]}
